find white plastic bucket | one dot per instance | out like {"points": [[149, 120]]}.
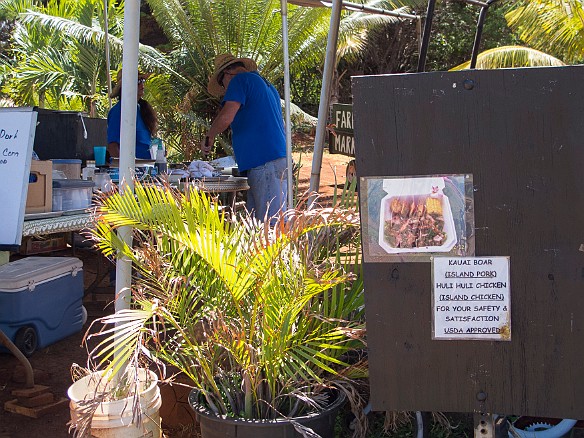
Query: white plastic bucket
{"points": [[114, 418]]}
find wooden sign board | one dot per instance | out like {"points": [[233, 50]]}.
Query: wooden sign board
{"points": [[519, 133], [17, 129], [342, 141]]}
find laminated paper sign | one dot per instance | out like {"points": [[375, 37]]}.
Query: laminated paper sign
{"points": [[411, 218], [471, 298]]}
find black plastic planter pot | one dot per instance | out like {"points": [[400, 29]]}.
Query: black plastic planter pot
{"points": [[213, 426]]}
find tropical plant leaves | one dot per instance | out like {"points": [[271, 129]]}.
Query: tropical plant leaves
{"points": [[511, 56], [230, 301]]}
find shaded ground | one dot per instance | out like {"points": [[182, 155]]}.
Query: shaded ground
{"points": [[53, 364]]}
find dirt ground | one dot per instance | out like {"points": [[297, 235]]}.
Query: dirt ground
{"points": [[52, 364]]}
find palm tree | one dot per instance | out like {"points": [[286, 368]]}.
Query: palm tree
{"points": [[57, 58], [200, 30], [552, 26], [47, 70], [64, 40], [511, 56], [258, 318]]}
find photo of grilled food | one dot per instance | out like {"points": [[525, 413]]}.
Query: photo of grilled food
{"points": [[415, 221]]}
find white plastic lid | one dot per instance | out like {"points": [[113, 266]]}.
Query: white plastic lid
{"points": [[29, 272]]}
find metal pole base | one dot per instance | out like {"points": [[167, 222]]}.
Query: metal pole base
{"points": [[490, 426]]}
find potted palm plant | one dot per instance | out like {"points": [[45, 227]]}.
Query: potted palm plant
{"points": [[260, 318]]}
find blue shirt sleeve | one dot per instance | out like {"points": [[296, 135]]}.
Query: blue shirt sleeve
{"points": [[114, 120], [235, 91]]}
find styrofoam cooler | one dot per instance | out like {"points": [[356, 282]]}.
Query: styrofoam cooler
{"points": [[41, 300]]}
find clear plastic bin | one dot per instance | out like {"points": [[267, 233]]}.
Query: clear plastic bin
{"points": [[71, 167], [74, 194]]}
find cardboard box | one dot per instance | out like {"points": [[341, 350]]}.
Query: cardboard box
{"points": [[40, 187], [39, 245]]}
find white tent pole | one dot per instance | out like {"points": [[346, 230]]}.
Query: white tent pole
{"points": [[288, 123], [107, 53], [128, 137], [325, 95]]}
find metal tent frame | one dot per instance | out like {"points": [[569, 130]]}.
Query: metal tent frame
{"points": [[129, 93]]}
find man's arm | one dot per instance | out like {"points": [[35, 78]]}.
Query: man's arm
{"points": [[220, 124]]}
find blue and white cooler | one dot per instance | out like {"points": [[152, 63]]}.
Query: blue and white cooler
{"points": [[41, 300]]}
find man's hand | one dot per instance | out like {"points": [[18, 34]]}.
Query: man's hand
{"points": [[207, 144], [220, 124]]}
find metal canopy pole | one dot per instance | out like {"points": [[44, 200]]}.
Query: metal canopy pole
{"points": [[323, 107], [288, 123], [107, 53], [479, 33], [426, 35], [349, 6], [128, 138]]}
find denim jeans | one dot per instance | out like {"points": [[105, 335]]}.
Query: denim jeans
{"points": [[268, 189]]}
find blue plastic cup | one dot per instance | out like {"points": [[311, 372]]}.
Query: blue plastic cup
{"points": [[99, 155]]}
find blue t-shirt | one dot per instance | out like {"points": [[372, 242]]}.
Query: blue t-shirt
{"points": [[258, 126], [143, 139]]}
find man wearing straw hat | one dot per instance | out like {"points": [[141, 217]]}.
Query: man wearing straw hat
{"points": [[251, 106]]}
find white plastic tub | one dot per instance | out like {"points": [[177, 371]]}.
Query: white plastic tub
{"points": [[114, 418]]}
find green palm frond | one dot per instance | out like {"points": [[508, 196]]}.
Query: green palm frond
{"points": [[552, 26], [362, 20], [511, 57], [232, 302], [150, 58]]}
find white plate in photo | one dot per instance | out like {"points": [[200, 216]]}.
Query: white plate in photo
{"points": [[385, 215]]}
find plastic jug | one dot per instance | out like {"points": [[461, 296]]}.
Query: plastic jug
{"points": [[160, 163], [88, 172]]}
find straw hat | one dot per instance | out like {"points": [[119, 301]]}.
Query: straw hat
{"points": [[221, 63], [118, 88]]}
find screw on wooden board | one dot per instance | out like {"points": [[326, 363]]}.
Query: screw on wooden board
{"points": [[394, 274], [481, 396], [468, 84]]}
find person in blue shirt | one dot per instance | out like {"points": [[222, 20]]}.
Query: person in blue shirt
{"points": [[146, 121], [251, 106]]}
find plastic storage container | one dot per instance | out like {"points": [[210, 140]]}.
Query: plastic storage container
{"points": [[70, 167], [75, 194], [41, 300]]}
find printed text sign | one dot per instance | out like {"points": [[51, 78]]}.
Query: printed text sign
{"points": [[471, 298]]}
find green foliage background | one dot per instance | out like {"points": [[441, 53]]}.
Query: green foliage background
{"points": [[51, 51]]}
